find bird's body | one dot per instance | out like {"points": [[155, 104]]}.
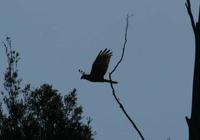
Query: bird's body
{"points": [[99, 68]]}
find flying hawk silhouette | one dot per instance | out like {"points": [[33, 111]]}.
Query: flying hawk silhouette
{"points": [[99, 68]]}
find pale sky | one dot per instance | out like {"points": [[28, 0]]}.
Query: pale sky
{"points": [[57, 37]]}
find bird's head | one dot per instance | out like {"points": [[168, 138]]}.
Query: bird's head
{"points": [[84, 76]]}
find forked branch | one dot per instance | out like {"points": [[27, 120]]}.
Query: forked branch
{"points": [[188, 6], [110, 77]]}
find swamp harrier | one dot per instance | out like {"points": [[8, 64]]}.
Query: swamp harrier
{"points": [[99, 68]]}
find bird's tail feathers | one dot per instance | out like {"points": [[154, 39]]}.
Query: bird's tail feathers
{"points": [[110, 81]]}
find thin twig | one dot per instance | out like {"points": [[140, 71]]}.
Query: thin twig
{"points": [[124, 46], [110, 77]]}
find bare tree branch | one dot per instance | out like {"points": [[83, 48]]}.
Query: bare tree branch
{"points": [[188, 6], [124, 46], [110, 77]]}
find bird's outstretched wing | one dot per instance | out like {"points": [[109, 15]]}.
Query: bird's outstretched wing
{"points": [[100, 65]]}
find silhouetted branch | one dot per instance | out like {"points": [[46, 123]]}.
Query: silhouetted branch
{"points": [[110, 77], [124, 46], [188, 6]]}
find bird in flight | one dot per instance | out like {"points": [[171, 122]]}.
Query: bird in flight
{"points": [[99, 68]]}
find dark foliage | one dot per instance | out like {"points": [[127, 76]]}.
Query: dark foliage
{"points": [[39, 114]]}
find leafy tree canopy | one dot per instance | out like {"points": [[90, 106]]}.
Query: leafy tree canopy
{"points": [[38, 114]]}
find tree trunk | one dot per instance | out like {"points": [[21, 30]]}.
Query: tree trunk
{"points": [[194, 121]]}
